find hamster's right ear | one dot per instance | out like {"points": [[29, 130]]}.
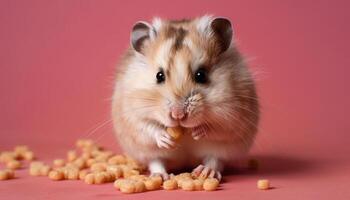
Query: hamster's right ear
{"points": [[141, 34]]}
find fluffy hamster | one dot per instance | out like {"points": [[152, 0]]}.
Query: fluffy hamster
{"points": [[185, 73]]}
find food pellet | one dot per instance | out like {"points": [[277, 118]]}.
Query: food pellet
{"points": [[3, 175], [175, 132], [138, 177], [180, 180], [35, 171], [127, 187], [263, 184], [89, 143], [80, 143], [115, 169], [6, 174], [188, 185], [69, 165], [128, 173], [117, 160], [184, 175], [118, 183], [39, 169], [56, 175], [100, 178], [98, 167], [101, 158], [28, 155], [83, 143], [71, 155], [157, 179], [72, 174], [139, 186], [134, 165], [44, 170], [95, 153], [152, 184], [170, 184], [210, 184], [20, 149], [13, 164], [110, 176], [198, 184], [89, 179], [7, 156], [90, 162], [86, 155], [79, 163], [59, 162], [83, 173]]}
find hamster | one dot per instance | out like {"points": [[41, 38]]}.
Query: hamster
{"points": [[186, 73]]}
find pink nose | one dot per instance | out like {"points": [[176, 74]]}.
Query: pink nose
{"points": [[177, 112]]}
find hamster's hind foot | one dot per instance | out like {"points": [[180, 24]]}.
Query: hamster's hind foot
{"points": [[157, 168], [164, 175], [203, 171], [211, 168]]}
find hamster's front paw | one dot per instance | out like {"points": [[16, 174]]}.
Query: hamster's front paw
{"points": [[198, 133], [164, 140]]}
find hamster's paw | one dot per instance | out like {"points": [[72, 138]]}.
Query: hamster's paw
{"points": [[164, 175], [198, 133], [206, 172], [164, 140]]}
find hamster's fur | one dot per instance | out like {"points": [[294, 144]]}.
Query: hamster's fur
{"points": [[185, 73]]}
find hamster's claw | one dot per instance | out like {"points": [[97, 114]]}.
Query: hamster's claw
{"points": [[198, 133], [165, 176], [206, 172], [164, 140]]}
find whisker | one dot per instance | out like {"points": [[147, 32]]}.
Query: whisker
{"points": [[237, 133], [94, 126], [89, 134], [101, 135], [142, 109], [215, 122], [245, 96]]}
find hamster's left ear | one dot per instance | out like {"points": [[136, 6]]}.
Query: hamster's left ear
{"points": [[218, 27], [141, 34]]}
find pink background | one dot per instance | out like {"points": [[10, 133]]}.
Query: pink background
{"points": [[57, 60]]}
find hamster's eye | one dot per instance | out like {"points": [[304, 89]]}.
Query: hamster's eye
{"points": [[160, 77], [201, 76]]}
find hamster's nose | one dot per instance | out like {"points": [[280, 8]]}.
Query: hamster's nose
{"points": [[177, 112]]}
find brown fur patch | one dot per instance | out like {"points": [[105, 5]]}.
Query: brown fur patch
{"points": [[181, 21], [178, 31]]}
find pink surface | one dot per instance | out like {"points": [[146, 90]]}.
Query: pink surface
{"points": [[57, 62]]}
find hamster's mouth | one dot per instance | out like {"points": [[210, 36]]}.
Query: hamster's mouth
{"points": [[187, 122], [180, 123]]}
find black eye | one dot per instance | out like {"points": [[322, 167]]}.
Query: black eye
{"points": [[160, 77], [201, 76]]}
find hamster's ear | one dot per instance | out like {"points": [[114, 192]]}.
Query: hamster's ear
{"points": [[219, 28], [141, 34], [222, 30]]}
